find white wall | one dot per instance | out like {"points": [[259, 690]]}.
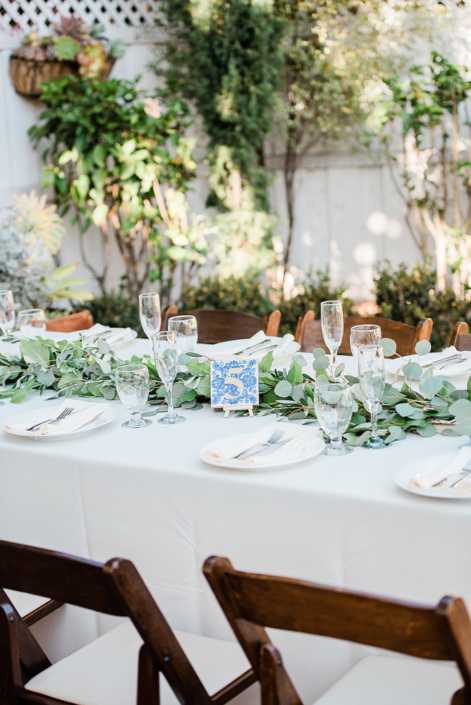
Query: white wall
{"points": [[348, 215]]}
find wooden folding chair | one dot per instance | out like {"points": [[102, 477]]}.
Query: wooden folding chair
{"points": [[216, 326], [122, 667], [32, 608], [69, 324], [309, 332], [460, 337], [443, 633]]}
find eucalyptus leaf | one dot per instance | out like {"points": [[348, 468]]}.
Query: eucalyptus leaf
{"points": [[321, 363], [423, 347], [389, 346], [430, 386], [318, 352], [300, 359], [283, 388], [412, 370]]}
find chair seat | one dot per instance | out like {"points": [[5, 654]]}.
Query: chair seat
{"points": [[385, 680], [105, 671]]}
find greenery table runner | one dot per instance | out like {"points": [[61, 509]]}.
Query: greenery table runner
{"points": [[75, 368]]}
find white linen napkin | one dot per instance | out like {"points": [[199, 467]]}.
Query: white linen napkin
{"points": [[258, 353], [298, 438], [83, 413], [394, 365], [447, 475], [118, 334]]}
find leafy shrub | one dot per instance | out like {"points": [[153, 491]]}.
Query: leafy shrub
{"points": [[229, 294], [116, 310], [410, 296], [316, 288]]}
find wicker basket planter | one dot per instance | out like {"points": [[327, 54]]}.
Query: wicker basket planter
{"points": [[27, 74]]}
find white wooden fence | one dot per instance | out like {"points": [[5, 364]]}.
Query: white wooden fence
{"points": [[348, 215]]}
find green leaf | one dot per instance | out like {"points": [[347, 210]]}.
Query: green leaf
{"points": [[318, 352], [460, 406], [266, 362], [35, 353], [353, 440], [295, 374], [405, 409], [430, 387], [199, 368], [283, 388], [339, 369], [389, 346], [412, 370], [109, 393], [428, 431], [394, 433], [320, 363], [99, 155], [47, 378], [18, 395], [300, 359], [423, 347]]}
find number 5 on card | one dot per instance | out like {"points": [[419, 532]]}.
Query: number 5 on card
{"points": [[234, 383]]}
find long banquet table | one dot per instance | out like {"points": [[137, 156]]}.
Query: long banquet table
{"points": [[146, 495]]}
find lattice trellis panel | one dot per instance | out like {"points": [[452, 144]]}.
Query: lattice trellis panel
{"points": [[26, 14]]}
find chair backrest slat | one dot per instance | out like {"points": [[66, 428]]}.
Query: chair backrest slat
{"points": [[309, 333], [460, 337], [217, 326]]}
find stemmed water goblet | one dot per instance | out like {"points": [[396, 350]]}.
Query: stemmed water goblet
{"points": [[333, 403], [371, 371], [166, 361], [149, 311], [32, 322], [132, 385], [7, 312], [365, 334], [332, 327], [186, 329]]}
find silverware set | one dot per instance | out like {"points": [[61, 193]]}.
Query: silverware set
{"points": [[67, 412], [276, 439], [464, 473], [455, 359]]}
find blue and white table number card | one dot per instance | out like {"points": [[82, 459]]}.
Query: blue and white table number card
{"points": [[234, 384]]}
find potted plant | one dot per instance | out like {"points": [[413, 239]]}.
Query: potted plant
{"points": [[72, 49]]}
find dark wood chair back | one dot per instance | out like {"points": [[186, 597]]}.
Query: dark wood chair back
{"points": [[460, 337], [309, 332], [69, 324], [216, 326], [166, 313], [114, 588], [252, 602]]}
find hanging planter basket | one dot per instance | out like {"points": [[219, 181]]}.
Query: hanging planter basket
{"points": [[28, 74]]}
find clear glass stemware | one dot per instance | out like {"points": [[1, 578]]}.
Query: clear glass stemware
{"points": [[186, 329], [7, 312], [166, 361], [365, 334], [32, 322], [372, 380], [149, 312], [132, 385], [333, 404], [332, 327]]}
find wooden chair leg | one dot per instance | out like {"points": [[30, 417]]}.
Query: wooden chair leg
{"points": [[148, 686], [10, 669], [277, 689]]}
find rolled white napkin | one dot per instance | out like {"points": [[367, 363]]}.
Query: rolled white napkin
{"points": [[83, 413], [297, 437], [259, 337], [447, 475]]}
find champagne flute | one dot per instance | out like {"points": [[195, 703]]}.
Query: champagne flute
{"points": [[149, 311], [132, 385], [332, 327], [186, 329], [333, 403], [166, 361], [365, 334], [7, 311], [371, 372], [32, 322]]}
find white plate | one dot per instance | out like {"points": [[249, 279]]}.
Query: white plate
{"points": [[219, 348], [132, 335], [427, 466], [315, 447], [450, 372], [105, 418]]}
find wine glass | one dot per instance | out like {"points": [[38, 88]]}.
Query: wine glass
{"points": [[166, 361], [7, 311], [365, 334], [186, 329], [371, 372], [332, 327], [333, 403], [149, 310], [32, 322], [132, 385]]}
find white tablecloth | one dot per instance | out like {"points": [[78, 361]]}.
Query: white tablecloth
{"points": [[146, 495]]}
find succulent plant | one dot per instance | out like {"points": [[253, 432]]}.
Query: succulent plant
{"points": [[92, 59], [72, 27], [67, 48], [45, 224]]}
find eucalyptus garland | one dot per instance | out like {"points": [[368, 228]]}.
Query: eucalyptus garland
{"points": [[88, 370]]}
